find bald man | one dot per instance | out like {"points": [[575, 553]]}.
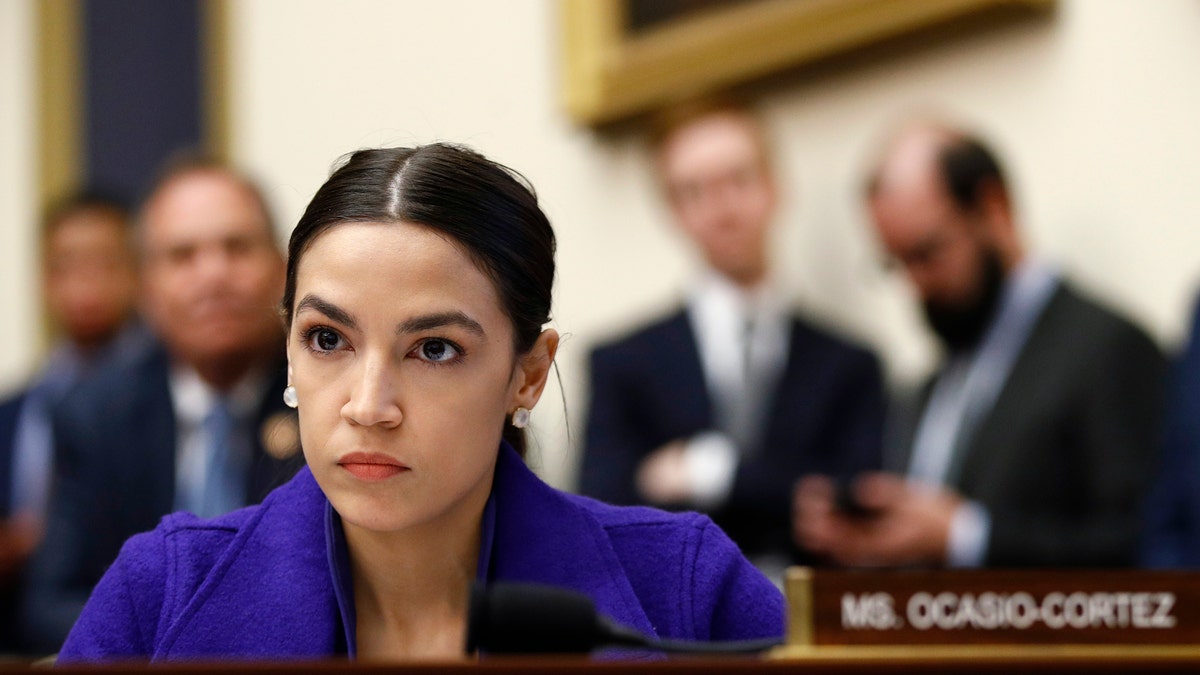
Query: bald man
{"points": [[1033, 443]]}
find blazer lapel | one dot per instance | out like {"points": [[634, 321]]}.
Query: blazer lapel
{"points": [[153, 437], [688, 393], [977, 451], [903, 421]]}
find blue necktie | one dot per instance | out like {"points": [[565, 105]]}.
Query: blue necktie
{"points": [[224, 478]]}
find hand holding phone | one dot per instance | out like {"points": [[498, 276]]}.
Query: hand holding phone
{"points": [[847, 504]]}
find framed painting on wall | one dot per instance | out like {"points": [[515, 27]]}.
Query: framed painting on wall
{"points": [[624, 57]]}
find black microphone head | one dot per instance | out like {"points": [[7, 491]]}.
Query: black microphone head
{"points": [[522, 618]]}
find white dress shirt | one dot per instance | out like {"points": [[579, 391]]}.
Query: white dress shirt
{"points": [[742, 337]]}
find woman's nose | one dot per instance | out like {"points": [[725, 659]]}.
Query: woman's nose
{"points": [[373, 401]]}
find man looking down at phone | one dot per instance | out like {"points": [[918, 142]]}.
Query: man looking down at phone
{"points": [[1033, 442]]}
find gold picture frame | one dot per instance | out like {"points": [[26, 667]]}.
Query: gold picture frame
{"points": [[611, 73]]}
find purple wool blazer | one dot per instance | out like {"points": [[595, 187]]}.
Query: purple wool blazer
{"points": [[259, 583]]}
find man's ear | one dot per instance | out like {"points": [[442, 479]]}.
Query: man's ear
{"points": [[533, 369], [995, 205], [995, 210]]}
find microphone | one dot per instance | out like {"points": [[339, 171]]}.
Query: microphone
{"points": [[524, 618]]}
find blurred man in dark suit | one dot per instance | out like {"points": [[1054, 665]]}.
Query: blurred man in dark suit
{"points": [[1034, 441], [197, 423], [723, 404], [89, 287], [1172, 536]]}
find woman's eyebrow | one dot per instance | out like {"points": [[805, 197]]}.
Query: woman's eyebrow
{"points": [[327, 308], [431, 321]]}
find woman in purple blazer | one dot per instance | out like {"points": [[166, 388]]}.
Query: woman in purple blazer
{"points": [[418, 285]]}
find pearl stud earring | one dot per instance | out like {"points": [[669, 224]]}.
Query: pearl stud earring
{"points": [[520, 418]]}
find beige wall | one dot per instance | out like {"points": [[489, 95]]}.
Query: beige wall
{"points": [[1094, 109], [19, 298]]}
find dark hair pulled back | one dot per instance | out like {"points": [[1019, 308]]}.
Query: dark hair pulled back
{"points": [[487, 208]]}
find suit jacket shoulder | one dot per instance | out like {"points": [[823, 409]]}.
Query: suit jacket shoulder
{"points": [[815, 351], [118, 396], [1062, 458], [647, 341], [821, 338], [1088, 324], [10, 415], [1172, 511], [1075, 343]]}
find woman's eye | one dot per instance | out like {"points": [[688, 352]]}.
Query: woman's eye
{"points": [[325, 340], [437, 351]]}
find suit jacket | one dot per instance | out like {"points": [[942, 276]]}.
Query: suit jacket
{"points": [[115, 439], [1062, 460], [10, 415], [1172, 516], [259, 582], [826, 416]]}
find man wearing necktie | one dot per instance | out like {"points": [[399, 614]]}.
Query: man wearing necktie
{"points": [[197, 422], [723, 404], [213, 477]]}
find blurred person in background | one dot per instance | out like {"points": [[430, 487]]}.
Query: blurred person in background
{"points": [[89, 287], [723, 404], [1172, 535], [196, 423], [1034, 441]]}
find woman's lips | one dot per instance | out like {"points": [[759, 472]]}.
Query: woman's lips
{"points": [[371, 466]]}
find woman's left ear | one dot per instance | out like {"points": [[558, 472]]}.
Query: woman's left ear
{"points": [[533, 369]]}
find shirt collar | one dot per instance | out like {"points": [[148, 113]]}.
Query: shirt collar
{"points": [[1031, 279], [192, 397], [1026, 291], [714, 294]]}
